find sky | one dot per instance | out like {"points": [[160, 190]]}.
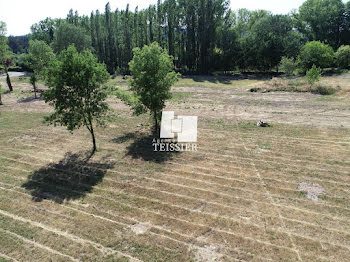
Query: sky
{"points": [[19, 15]]}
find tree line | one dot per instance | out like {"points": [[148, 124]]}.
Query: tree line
{"points": [[202, 35]]}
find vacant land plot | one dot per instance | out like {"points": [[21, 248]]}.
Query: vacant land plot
{"points": [[239, 198]]}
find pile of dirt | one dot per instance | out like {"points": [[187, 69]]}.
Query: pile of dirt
{"points": [[140, 228], [312, 190], [208, 254]]}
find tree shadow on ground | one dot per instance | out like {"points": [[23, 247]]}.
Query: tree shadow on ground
{"points": [[214, 80], [142, 147], [227, 80], [71, 178], [29, 99]]}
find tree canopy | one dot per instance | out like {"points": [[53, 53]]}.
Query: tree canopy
{"points": [[316, 53], [203, 36], [68, 34]]}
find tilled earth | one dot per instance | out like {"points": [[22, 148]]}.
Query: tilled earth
{"points": [[238, 198]]}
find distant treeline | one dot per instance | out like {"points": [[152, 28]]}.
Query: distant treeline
{"points": [[202, 35], [18, 44]]}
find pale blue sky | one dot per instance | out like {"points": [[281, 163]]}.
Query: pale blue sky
{"points": [[19, 15]]}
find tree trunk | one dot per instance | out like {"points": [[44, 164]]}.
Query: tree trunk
{"points": [[93, 139], [35, 91], [8, 80], [91, 129], [156, 129], [0, 100]]}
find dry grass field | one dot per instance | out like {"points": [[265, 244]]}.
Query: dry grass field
{"points": [[240, 197]]}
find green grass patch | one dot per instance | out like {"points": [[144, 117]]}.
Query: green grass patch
{"points": [[180, 96], [16, 121], [214, 82], [265, 146]]}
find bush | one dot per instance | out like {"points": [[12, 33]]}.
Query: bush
{"points": [[313, 75], [324, 90], [254, 89], [343, 57], [288, 65], [316, 53]]}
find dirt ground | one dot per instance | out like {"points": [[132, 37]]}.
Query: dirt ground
{"points": [[240, 197]]}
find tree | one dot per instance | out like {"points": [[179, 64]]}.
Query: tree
{"points": [[99, 37], [44, 30], [316, 53], [5, 53], [127, 54], [18, 44], [227, 41], [271, 38], [151, 68], [343, 56], [288, 65], [313, 75], [110, 41], [67, 34], [210, 16], [40, 57], [75, 80], [322, 20]]}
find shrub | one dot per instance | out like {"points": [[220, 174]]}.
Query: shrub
{"points": [[313, 75], [254, 89], [316, 53], [343, 56], [288, 65], [325, 90]]}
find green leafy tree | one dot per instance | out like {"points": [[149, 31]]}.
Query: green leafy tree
{"points": [[272, 37], [322, 20], [151, 68], [228, 43], [316, 53], [44, 30], [68, 34], [40, 57], [288, 65], [18, 44], [5, 53], [210, 16], [127, 54], [76, 94], [110, 40], [313, 75], [343, 56]]}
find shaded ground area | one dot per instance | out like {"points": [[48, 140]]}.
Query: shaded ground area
{"points": [[142, 147], [71, 178]]}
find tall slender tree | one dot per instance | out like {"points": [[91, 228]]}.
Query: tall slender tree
{"points": [[5, 53]]}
